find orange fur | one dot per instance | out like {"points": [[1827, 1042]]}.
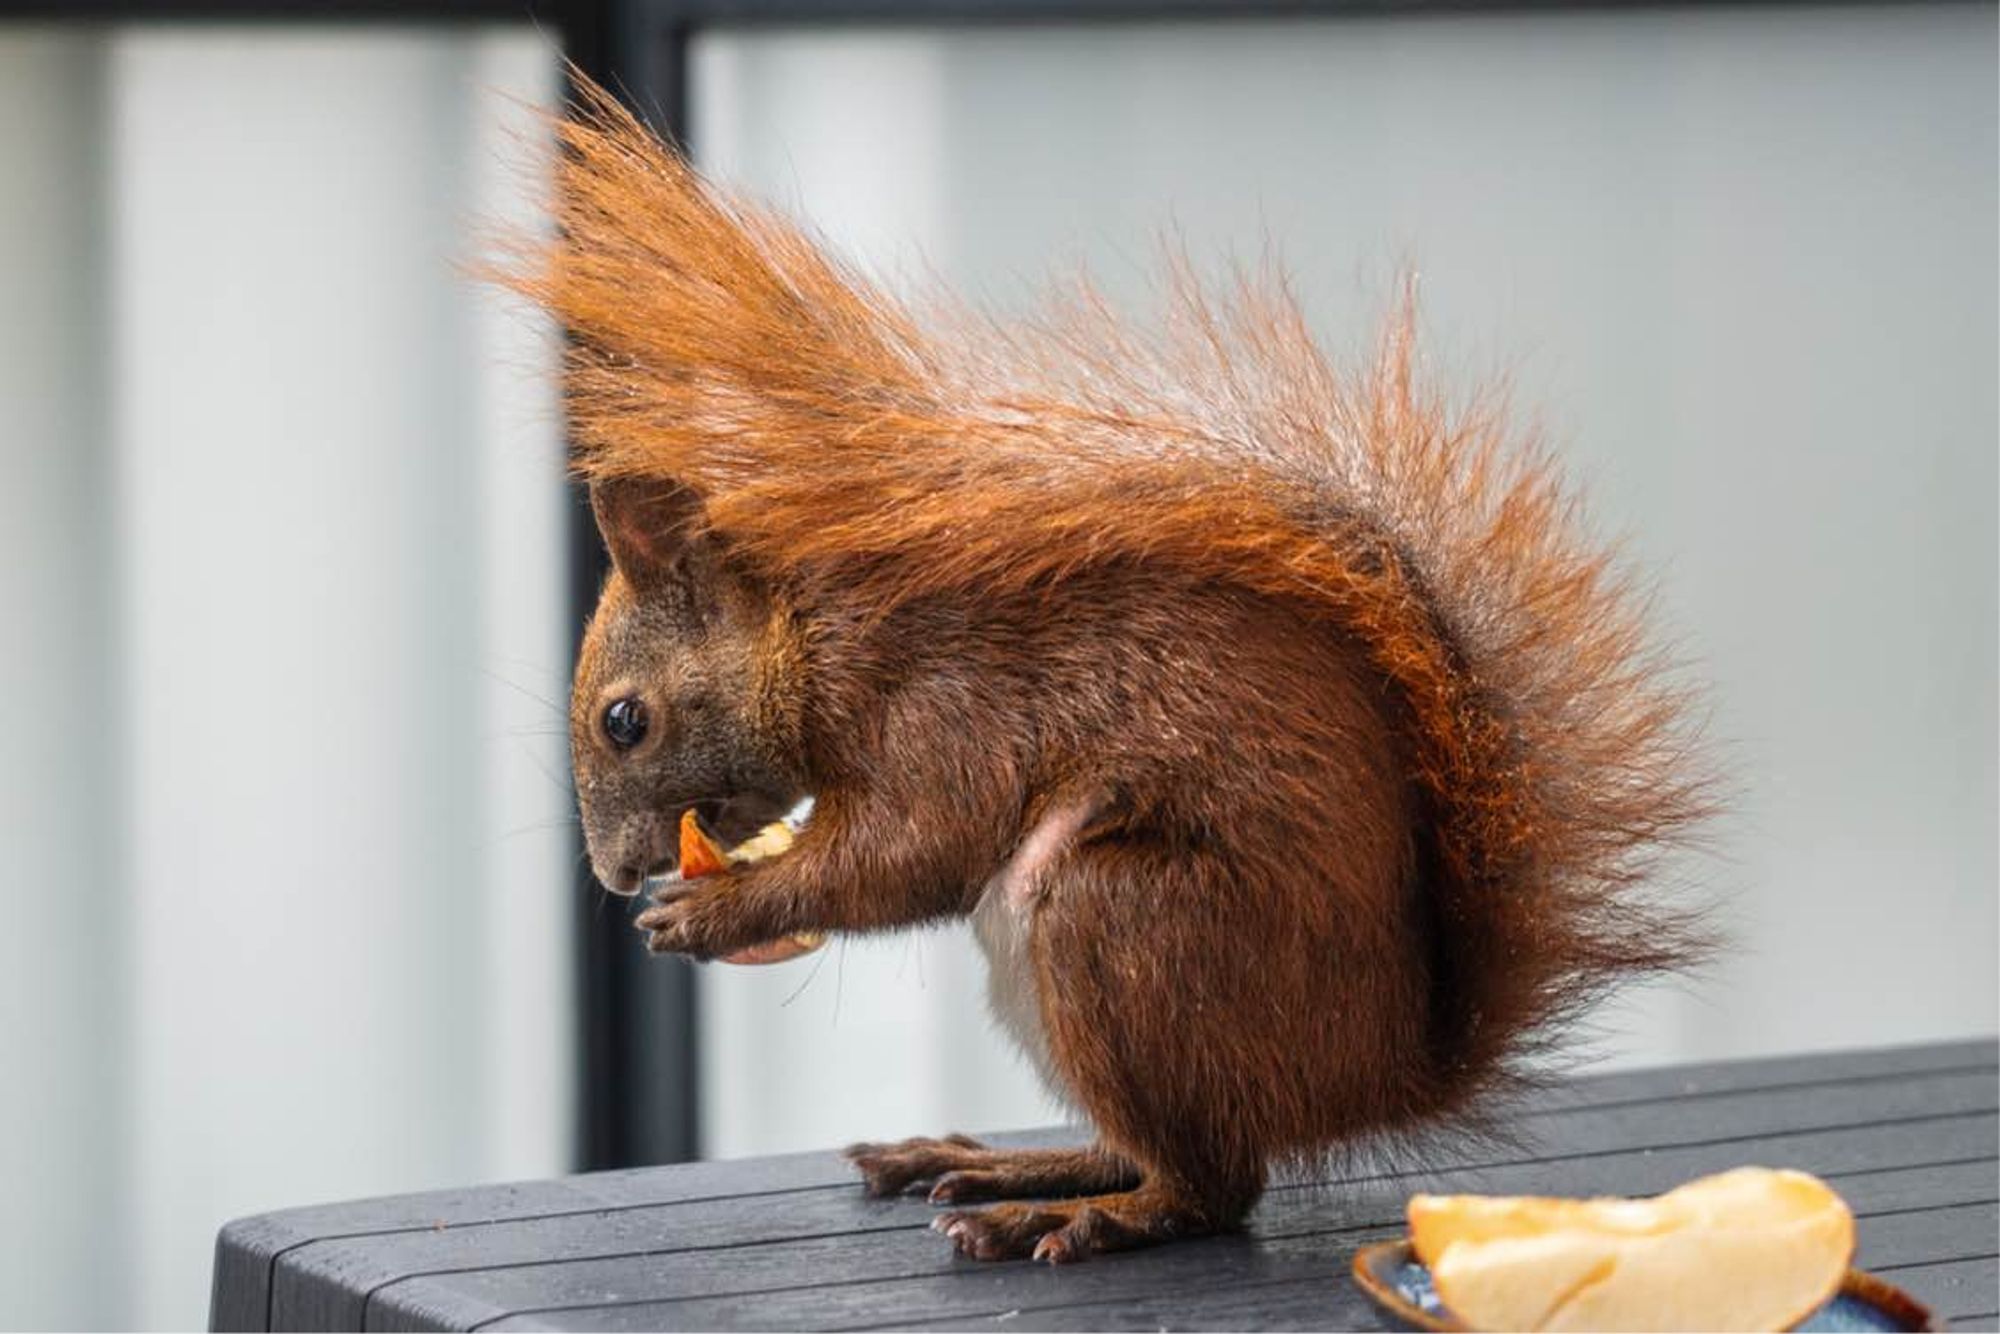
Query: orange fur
{"points": [[1341, 534]]}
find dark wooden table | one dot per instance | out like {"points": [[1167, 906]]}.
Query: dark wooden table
{"points": [[1907, 1135]]}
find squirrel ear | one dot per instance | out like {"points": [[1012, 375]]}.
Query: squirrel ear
{"points": [[651, 527]]}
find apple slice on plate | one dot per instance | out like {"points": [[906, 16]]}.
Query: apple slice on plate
{"points": [[1749, 1249]]}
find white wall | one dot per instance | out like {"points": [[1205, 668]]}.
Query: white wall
{"points": [[63, 951], [1740, 263], [298, 896]]}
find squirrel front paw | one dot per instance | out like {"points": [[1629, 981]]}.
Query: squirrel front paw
{"points": [[703, 921]]}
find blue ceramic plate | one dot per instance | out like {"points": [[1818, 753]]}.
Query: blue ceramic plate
{"points": [[1394, 1277]]}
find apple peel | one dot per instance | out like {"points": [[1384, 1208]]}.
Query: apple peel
{"points": [[700, 856]]}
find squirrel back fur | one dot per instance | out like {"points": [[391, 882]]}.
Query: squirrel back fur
{"points": [[1388, 607]]}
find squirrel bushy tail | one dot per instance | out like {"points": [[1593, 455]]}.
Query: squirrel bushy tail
{"points": [[828, 429]]}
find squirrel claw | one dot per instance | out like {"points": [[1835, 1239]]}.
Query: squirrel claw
{"points": [[1055, 1248]]}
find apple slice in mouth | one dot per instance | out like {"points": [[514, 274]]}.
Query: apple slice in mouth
{"points": [[700, 856]]}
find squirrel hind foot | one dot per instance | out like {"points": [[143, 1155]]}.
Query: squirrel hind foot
{"points": [[958, 1169], [1064, 1231], [904, 1166]]}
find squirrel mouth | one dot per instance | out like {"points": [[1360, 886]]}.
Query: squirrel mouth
{"points": [[701, 855]]}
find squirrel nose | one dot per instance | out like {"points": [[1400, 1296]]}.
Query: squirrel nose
{"points": [[623, 870], [625, 852]]}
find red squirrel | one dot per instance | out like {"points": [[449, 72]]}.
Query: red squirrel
{"points": [[1295, 755]]}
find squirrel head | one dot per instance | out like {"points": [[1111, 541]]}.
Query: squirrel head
{"points": [[684, 696]]}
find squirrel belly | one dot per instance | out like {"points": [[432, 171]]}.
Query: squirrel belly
{"points": [[1002, 928], [1298, 755], [1003, 922]]}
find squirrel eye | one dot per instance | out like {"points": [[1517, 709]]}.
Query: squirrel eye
{"points": [[625, 722]]}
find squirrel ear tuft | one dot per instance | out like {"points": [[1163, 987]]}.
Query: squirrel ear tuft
{"points": [[652, 528]]}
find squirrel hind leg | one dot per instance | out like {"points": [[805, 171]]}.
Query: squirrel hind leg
{"points": [[1062, 1231], [957, 1169], [1211, 1016]]}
